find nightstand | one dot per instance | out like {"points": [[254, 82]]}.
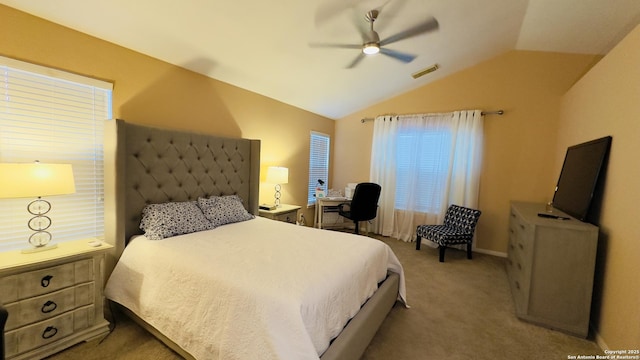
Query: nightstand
{"points": [[286, 213], [54, 298]]}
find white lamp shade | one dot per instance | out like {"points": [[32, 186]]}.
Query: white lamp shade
{"points": [[277, 175], [35, 179]]}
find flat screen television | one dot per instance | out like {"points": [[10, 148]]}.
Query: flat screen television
{"points": [[581, 169]]}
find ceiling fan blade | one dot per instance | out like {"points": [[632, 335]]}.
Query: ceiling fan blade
{"points": [[356, 61], [391, 9], [429, 25], [404, 57], [329, 10], [339, 46]]}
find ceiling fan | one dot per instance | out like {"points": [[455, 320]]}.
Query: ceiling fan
{"points": [[371, 43]]}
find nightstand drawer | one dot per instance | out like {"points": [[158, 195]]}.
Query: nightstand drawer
{"points": [[38, 282], [47, 331], [49, 305], [289, 217], [285, 212]]}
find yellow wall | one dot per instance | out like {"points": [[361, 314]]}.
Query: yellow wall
{"points": [[520, 146], [605, 102], [153, 92]]}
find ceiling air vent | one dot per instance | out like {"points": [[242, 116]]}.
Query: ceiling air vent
{"points": [[425, 71]]}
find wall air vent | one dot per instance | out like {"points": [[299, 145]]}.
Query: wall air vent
{"points": [[425, 71]]}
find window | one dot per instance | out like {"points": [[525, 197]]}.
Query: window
{"points": [[318, 164], [422, 161], [54, 117], [427, 161]]}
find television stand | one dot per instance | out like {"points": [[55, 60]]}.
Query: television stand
{"points": [[550, 267]]}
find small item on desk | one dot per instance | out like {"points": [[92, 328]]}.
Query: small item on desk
{"points": [[320, 189], [267, 207], [558, 217], [349, 190], [95, 243], [331, 193]]}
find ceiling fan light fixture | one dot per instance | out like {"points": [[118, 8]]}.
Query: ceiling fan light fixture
{"points": [[371, 49]]}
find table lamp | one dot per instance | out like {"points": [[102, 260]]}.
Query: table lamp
{"points": [[37, 180], [277, 175]]}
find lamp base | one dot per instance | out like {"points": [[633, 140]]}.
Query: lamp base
{"points": [[39, 249]]}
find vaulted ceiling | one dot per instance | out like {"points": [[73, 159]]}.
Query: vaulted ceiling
{"points": [[264, 46]]}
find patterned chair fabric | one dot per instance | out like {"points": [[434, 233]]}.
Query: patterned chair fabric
{"points": [[458, 228]]}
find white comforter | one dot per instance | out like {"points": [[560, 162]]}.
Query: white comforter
{"points": [[259, 289]]}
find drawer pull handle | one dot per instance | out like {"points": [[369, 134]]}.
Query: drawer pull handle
{"points": [[520, 246], [48, 307], [45, 281], [519, 266], [522, 226], [49, 332]]}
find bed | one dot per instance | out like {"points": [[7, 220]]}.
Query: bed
{"points": [[247, 289]]}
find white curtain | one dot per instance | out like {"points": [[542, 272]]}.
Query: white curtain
{"points": [[424, 163]]}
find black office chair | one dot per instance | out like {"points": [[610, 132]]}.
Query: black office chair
{"points": [[3, 320], [363, 206]]}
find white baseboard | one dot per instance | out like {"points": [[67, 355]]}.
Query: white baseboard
{"points": [[599, 340], [491, 252]]}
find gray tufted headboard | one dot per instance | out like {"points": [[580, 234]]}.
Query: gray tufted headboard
{"points": [[157, 165]]}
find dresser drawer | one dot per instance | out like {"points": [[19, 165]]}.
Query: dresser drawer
{"points": [[519, 261], [519, 296], [46, 306], [38, 282], [519, 285], [47, 331]]}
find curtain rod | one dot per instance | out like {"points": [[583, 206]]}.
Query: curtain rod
{"points": [[497, 112]]}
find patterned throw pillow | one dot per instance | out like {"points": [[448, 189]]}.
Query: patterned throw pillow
{"points": [[221, 210], [161, 221]]}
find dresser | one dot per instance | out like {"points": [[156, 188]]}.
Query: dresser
{"points": [[550, 267], [54, 298], [285, 212]]}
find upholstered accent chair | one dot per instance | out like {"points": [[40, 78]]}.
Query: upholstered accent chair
{"points": [[458, 228], [363, 206]]}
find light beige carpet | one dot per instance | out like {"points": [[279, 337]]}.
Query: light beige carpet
{"points": [[460, 309]]}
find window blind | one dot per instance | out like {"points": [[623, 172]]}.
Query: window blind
{"points": [[54, 117], [422, 162], [318, 164]]}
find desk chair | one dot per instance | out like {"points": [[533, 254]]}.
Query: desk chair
{"points": [[363, 206]]}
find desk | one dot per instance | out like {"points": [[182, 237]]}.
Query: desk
{"points": [[326, 215]]}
